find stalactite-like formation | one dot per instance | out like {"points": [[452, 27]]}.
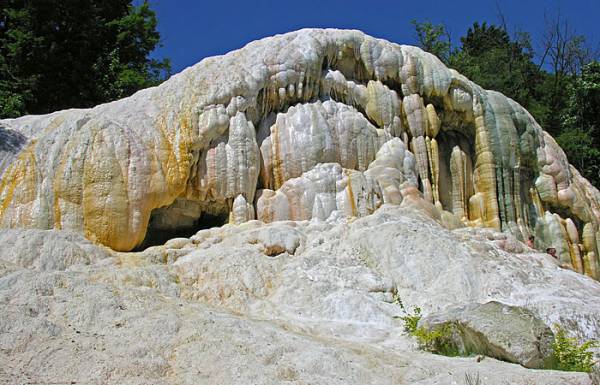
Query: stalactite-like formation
{"points": [[299, 126]]}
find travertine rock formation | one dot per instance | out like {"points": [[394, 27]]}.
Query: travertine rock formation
{"points": [[43, 250], [298, 126], [290, 302]]}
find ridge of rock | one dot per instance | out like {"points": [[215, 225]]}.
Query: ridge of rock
{"points": [[247, 135]]}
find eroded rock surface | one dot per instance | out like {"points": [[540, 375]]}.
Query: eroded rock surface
{"points": [[246, 135], [222, 307], [352, 173], [46, 250]]}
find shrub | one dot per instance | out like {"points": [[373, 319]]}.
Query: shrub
{"points": [[435, 340], [571, 356]]}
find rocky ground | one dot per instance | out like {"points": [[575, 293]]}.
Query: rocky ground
{"points": [[288, 302]]}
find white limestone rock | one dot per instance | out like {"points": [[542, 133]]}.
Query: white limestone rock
{"points": [[364, 162], [310, 302], [48, 250], [208, 140]]}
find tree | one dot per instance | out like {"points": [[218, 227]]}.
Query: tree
{"points": [[580, 123], [57, 54], [490, 58], [564, 53], [434, 39], [481, 39]]}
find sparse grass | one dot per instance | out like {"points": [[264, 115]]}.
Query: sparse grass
{"points": [[595, 375], [437, 340], [472, 379]]}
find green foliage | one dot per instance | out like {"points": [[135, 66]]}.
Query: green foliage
{"points": [[61, 54], [581, 123], [411, 320], [481, 39], [571, 356], [581, 151], [490, 58], [434, 39], [436, 340]]}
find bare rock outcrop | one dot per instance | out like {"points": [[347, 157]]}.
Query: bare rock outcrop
{"points": [[47, 250], [282, 201], [266, 303]]}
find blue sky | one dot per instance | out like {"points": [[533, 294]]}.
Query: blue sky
{"points": [[191, 30]]}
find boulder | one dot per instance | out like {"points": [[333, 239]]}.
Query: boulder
{"points": [[508, 333]]}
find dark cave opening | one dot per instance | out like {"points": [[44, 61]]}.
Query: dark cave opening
{"points": [[158, 235]]}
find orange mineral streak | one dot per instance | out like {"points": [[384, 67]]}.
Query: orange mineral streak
{"points": [[98, 181], [102, 171], [170, 166], [351, 201], [7, 187], [67, 186], [277, 162], [18, 190], [485, 176], [105, 197]]}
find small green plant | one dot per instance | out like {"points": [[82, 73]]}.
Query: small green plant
{"points": [[435, 340], [411, 320], [569, 355]]}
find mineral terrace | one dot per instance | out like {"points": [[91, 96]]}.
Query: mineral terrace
{"points": [[261, 217]]}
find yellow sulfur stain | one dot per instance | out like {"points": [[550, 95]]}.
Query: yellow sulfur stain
{"points": [[18, 189]]}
